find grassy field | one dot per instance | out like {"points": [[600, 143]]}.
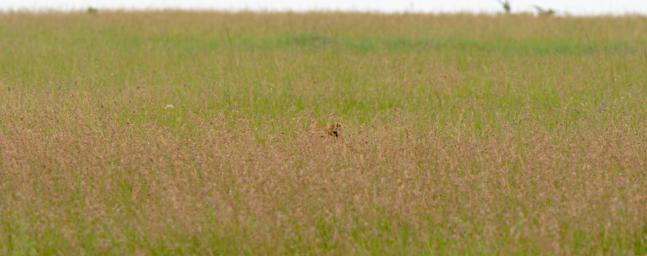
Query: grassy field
{"points": [[171, 133]]}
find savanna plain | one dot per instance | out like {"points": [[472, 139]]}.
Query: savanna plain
{"points": [[198, 133]]}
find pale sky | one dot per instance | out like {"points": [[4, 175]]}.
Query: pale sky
{"points": [[574, 7]]}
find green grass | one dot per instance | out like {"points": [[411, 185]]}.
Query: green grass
{"points": [[462, 134]]}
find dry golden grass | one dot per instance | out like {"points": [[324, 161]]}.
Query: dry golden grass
{"points": [[469, 149]]}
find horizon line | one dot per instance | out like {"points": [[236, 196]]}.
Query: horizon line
{"points": [[307, 11]]}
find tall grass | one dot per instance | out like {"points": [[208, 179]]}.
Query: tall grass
{"points": [[460, 134]]}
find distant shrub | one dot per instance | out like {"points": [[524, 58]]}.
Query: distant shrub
{"points": [[544, 12], [92, 10]]}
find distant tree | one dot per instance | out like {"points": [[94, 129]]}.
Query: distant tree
{"points": [[506, 5], [544, 12]]}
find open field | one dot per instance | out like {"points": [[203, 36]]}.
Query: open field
{"points": [[171, 133]]}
